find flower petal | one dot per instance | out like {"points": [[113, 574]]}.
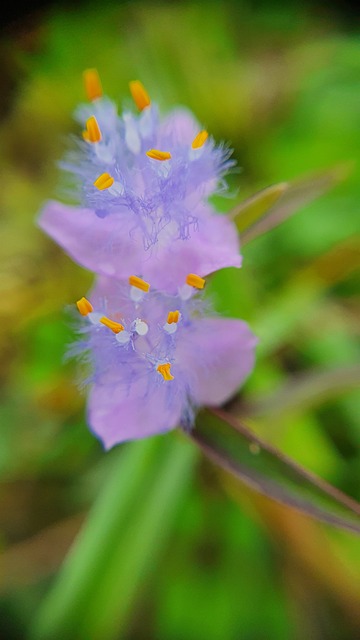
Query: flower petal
{"points": [[215, 245], [116, 415], [110, 246], [220, 355], [180, 125], [103, 245]]}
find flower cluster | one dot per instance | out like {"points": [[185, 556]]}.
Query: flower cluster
{"points": [[145, 226]]}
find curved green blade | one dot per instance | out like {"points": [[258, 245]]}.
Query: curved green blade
{"points": [[231, 445], [247, 213], [294, 196], [305, 391]]}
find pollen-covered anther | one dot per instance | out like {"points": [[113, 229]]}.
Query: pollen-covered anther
{"points": [[104, 181], [164, 370], [84, 306], [134, 281], [139, 94], [92, 132], [156, 154], [200, 139], [171, 324], [195, 281], [173, 317], [116, 327], [93, 88]]}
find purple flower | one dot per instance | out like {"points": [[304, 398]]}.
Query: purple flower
{"points": [[155, 358], [143, 184], [156, 173], [110, 247], [153, 354]]}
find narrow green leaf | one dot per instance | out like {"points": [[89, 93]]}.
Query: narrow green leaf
{"points": [[297, 194], [83, 567], [232, 446], [125, 532], [305, 391], [247, 213], [139, 548]]}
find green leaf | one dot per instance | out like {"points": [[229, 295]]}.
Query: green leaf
{"points": [[295, 195], [247, 213], [305, 391], [231, 445], [120, 542]]}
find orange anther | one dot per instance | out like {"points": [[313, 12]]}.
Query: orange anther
{"points": [[93, 88], [195, 281], [200, 139], [134, 281], [116, 327], [92, 132], [139, 94], [104, 181], [164, 370], [155, 154], [173, 316], [84, 306]]}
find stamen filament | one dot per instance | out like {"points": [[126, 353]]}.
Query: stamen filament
{"points": [[134, 281], [139, 94], [116, 327], [156, 154], [92, 82], [195, 281], [200, 139], [92, 133], [164, 370], [104, 181], [84, 306], [173, 316]]}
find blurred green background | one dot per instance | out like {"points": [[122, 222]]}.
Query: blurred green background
{"points": [[174, 549]]}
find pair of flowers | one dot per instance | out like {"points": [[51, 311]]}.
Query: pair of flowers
{"points": [[146, 228]]}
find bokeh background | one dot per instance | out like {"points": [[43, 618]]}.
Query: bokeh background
{"points": [[174, 549]]}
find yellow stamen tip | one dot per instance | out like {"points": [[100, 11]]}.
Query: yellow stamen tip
{"points": [[164, 370], [104, 181], [155, 154], [92, 82], [200, 139], [92, 133], [173, 316], [116, 327], [195, 281], [134, 281], [84, 306], [139, 94]]}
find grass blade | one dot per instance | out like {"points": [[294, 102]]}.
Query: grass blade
{"points": [[96, 588], [247, 213], [232, 446], [297, 194]]}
